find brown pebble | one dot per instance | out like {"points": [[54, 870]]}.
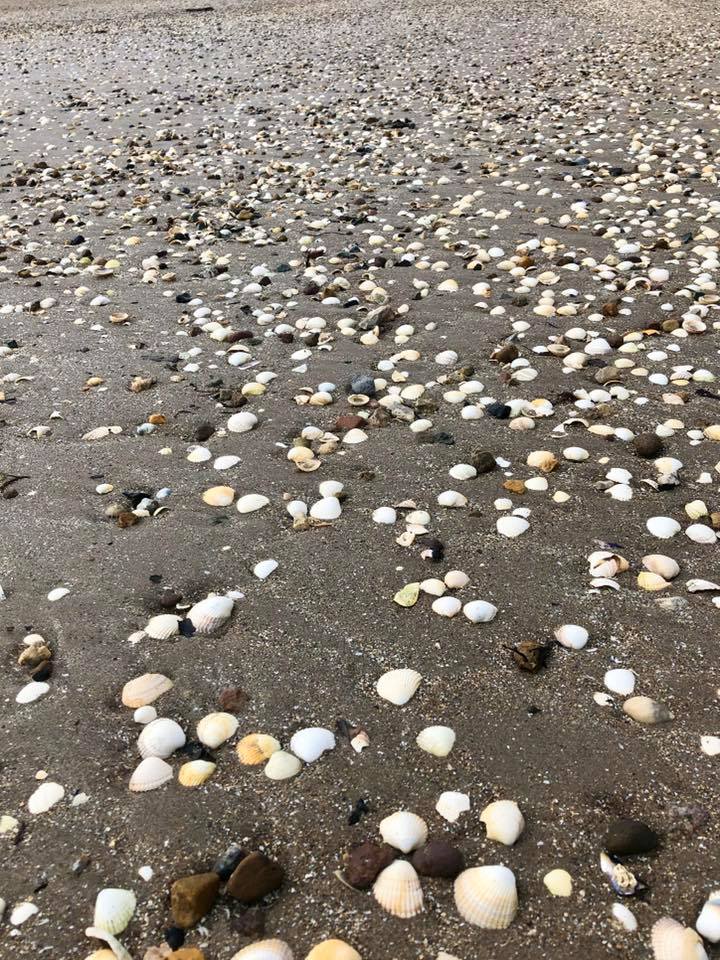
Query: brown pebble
{"points": [[614, 339], [126, 519], [232, 699], [438, 859], [255, 877], [187, 953], [192, 897], [505, 354], [365, 861], [514, 486], [647, 445], [530, 655], [349, 421], [483, 461], [42, 671]]}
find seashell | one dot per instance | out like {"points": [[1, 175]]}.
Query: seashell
{"points": [[161, 738], [408, 595], [397, 890], [451, 804], [328, 508], [216, 728], [512, 526], [672, 941], [196, 772], [647, 711], [542, 460], [256, 748], [621, 879], [333, 950], [225, 462], [117, 949], [404, 830], [355, 436], [696, 509], [452, 499], [297, 509], [150, 774], [265, 950], [241, 422], [710, 745], [162, 627], [699, 533], [487, 896], [32, 691], [438, 741], [456, 579], [663, 527], [113, 909], [45, 797], [57, 594], [712, 432], [503, 821], [480, 611], [576, 454], [708, 923], [251, 502], [664, 566], [330, 488], [264, 568], [667, 465], [282, 766], [384, 515], [624, 916], [218, 496], [572, 636], [651, 581], [620, 681], [446, 606], [463, 471], [558, 882], [211, 613], [145, 715], [398, 686], [433, 586], [310, 744], [198, 455], [696, 585], [145, 689]]}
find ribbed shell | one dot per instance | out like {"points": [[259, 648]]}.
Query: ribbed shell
{"points": [[162, 627], [196, 772], [265, 950], [404, 830], [672, 941], [256, 748], [333, 950], [397, 890], [487, 897], [150, 774], [216, 728], [398, 686], [113, 909], [161, 738], [145, 689], [210, 614]]}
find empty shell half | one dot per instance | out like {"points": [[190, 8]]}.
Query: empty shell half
{"points": [[397, 890], [216, 728], [648, 711], [150, 774], [113, 909], [145, 689], [333, 950], [195, 772], [398, 686], [256, 748], [487, 896], [503, 821], [438, 741], [265, 950], [404, 830], [672, 941], [161, 738]]}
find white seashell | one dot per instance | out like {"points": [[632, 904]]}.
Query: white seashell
{"points": [[162, 627], [355, 436], [446, 606], [512, 526], [57, 594], [150, 774], [311, 743], [384, 515], [22, 912], [462, 471], [218, 496], [32, 691], [663, 527], [397, 890], [699, 533], [226, 462], [558, 882], [438, 741], [645, 710], [251, 502], [333, 950], [672, 941], [696, 585], [624, 916], [211, 613], [480, 611], [145, 689], [264, 568], [145, 715], [404, 830], [198, 455], [265, 950], [297, 509], [576, 454], [696, 509], [710, 745], [456, 579], [603, 699], [664, 566], [487, 896], [503, 821], [621, 491], [113, 909], [45, 797], [708, 923], [538, 484], [621, 682], [433, 586], [161, 738], [330, 488], [216, 728], [282, 766], [241, 422], [451, 498], [398, 686], [572, 636], [118, 950], [451, 804], [328, 508]]}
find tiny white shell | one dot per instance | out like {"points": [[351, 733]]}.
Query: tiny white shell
{"points": [[700, 533], [22, 912], [558, 882], [384, 515], [645, 710], [437, 740], [671, 941], [710, 745], [398, 686], [665, 567], [145, 715], [451, 498], [404, 830], [309, 744], [456, 579], [210, 613], [624, 916]]}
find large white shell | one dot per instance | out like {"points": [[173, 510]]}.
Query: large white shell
{"points": [[113, 909], [503, 821], [328, 508], [251, 502], [145, 689], [398, 686], [480, 611], [45, 797], [663, 527], [451, 804], [161, 738], [672, 941], [665, 567], [397, 890], [162, 627], [446, 606], [150, 774], [708, 923], [311, 743], [437, 740], [487, 896], [216, 728], [700, 533], [265, 950], [512, 526], [620, 681], [241, 422], [282, 766], [32, 691], [572, 636], [404, 830], [211, 613]]}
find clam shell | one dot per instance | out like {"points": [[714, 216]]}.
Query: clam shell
{"points": [[451, 498], [620, 681], [700, 533], [145, 689], [145, 715], [282, 766], [309, 744], [333, 950], [647, 711], [456, 579], [558, 882], [447, 606], [651, 581], [216, 728], [398, 686], [328, 508], [433, 587], [218, 496], [404, 830], [162, 627], [161, 738], [572, 636], [114, 908], [487, 896], [708, 922], [624, 916], [503, 821], [256, 748], [265, 950], [397, 890], [241, 422], [196, 772], [251, 502], [45, 797], [672, 941], [664, 566], [211, 613], [32, 691], [511, 526], [663, 527], [480, 611], [264, 568], [438, 741], [451, 804], [150, 774]]}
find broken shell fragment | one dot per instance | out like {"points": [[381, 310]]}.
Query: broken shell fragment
{"points": [[503, 821], [45, 797]]}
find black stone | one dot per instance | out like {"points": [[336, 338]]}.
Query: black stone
{"points": [[629, 837]]}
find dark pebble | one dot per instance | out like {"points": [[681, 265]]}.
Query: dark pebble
{"points": [[229, 861], [249, 923], [628, 837], [438, 859], [254, 877], [365, 383], [364, 862], [233, 699], [500, 411], [648, 445], [483, 461], [204, 431], [175, 937]]}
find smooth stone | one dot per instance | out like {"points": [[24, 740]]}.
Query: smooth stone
{"points": [[192, 897], [254, 877], [438, 859], [629, 837]]}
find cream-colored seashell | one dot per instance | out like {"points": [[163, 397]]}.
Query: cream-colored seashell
{"points": [[447, 606], [576, 454], [219, 496], [161, 738], [456, 579], [199, 455], [256, 748], [408, 595], [438, 740], [651, 581], [620, 681], [512, 526], [398, 891], [241, 422], [462, 471], [503, 821], [162, 627], [433, 586], [310, 744], [572, 636], [145, 715], [251, 502], [398, 686], [117, 949], [451, 804], [672, 941], [114, 908], [404, 830], [695, 585], [710, 745], [265, 950], [333, 950], [699, 533], [647, 711], [282, 766], [329, 508], [487, 896], [664, 566], [696, 509], [451, 498], [712, 432], [708, 922], [624, 916], [663, 527], [558, 882], [145, 689], [542, 460], [150, 774], [196, 772], [211, 613], [216, 728], [537, 484], [45, 797], [32, 691], [480, 611]]}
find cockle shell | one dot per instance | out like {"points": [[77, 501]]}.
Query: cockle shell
{"points": [[256, 748], [651, 581], [700, 533], [114, 908], [480, 611], [311, 743], [45, 797], [161, 738], [456, 579], [446, 606], [265, 950], [398, 686], [558, 882], [663, 566], [451, 804], [333, 950], [218, 496], [503, 821], [572, 636], [397, 890], [404, 830], [216, 728], [647, 711], [251, 502], [150, 774], [282, 766], [663, 527], [211, 613], [196, 772], [708, 922], [162, 627], [241, 422], [672, 941], [438, 741], [118, 950], [145, 689], [487, 896]]}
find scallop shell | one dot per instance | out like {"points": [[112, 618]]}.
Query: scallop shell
{"points": [[161, 738], [558, 882], [309, 744], [708, 922], [256, 748], [45, 797], [145, 689], [487, 896], [265, 950], [451, 804], [216, 728], [438, 741], [196, 772], [333, 950], [211, 613], [512, 526], [672, 941], [647, 711], [282, 766], [503, 821], [218, 496], [447, 606], [480, 611], [113, 909], [251, 502], [150, 774], [404, 830], [397, 890], [162, 627], [572, 636], [398, 686]]}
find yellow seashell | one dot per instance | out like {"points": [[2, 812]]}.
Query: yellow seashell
{"points": [[219, 496], [333, 950], [651, 581], [196, 772], [256, 748], [558, 882], [408, 596]]}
